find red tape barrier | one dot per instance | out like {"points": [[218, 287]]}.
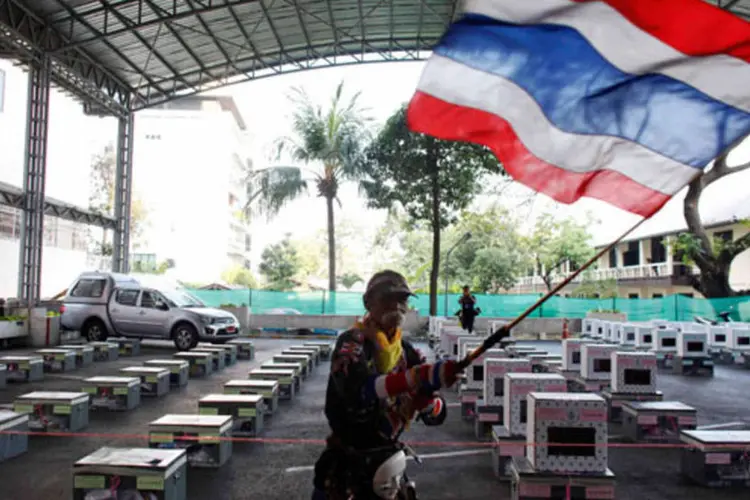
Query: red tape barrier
{"points": [[321, 442]]}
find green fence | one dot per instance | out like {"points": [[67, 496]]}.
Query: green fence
{"points": [[675, 308]]}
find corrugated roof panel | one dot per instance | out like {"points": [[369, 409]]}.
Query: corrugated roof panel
{"points": [[388, 25]]}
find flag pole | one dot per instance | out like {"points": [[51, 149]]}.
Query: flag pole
{"points": [[493, 339]]}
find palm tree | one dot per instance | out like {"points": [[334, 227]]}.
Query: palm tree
{"points": [[333, 138]]}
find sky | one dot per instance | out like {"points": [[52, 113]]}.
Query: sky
{"points": [[74, 138]]}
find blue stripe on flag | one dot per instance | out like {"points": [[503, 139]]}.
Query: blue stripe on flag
{"points": [[581, 92]]}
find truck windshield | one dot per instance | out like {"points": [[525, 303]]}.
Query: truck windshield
{"points": [[182, 299]]}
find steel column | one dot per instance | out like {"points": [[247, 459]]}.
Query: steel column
{"points": [[35, 166], [123, 188]]}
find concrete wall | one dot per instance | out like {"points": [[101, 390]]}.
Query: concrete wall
{"points": [[552, 326], [59, 268]]}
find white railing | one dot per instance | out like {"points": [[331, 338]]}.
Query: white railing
{"points": [[648, 271]]}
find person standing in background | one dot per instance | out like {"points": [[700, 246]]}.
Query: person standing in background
{"points": [[468, 311]]}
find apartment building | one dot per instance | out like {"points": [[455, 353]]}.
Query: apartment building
{"points": [[645, 266], [190, 165]]}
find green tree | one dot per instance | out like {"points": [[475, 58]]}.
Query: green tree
{"points": [[554, 242], [279, 265], [241, 276], [431, 179], [348, 280], [102, 175], [334, 138], [149, 268], [713, 256], [494, 256]]}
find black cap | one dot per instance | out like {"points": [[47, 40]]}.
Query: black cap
{"points": [[387, 283]]}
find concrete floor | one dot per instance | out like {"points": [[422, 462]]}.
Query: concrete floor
{"points": [[281, 470]]}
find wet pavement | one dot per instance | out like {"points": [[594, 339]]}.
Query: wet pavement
{"points": [[282, 468]]}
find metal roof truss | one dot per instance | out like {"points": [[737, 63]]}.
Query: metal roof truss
{"points": [[108, 52]]}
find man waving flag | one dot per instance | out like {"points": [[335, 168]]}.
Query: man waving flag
{"points": [[625, 101]]}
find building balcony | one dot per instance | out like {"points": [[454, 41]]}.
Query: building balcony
{"points": [[649, 274]]}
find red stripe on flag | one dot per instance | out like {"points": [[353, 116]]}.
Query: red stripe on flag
{"points": [[693, 27], [443, 120]]}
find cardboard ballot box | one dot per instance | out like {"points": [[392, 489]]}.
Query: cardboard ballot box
{"points": [[716, 459], [567, 432], [634, 372], [179, 370], [517, 387], [54, 410], [494, 382], [205, 438], [115, 473]]}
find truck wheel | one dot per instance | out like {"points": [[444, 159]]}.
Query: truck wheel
{"points": [[94, 330], [185, 337]]}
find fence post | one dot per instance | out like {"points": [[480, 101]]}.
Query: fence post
{"points": [[541, 307], [676, 307], [614, 304], [323, 303]]}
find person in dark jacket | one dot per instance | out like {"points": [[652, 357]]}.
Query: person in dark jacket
{"points": [[469, 310], [378, 383]]}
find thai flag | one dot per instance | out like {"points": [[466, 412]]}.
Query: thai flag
{"points": [[625, 101]]}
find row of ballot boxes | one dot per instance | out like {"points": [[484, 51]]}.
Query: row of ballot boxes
{"points": [[204, 439], [69, 357], [494, 382], [175, 442], [685, 348], [68, 411], [550, 435], [662, 335]]}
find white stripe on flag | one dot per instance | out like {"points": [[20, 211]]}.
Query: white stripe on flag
{"points": [[458, 84], [626, 46]]}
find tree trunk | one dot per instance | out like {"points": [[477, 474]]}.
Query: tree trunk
{"points": [[435, 224], [713, 281], [331, 245]]}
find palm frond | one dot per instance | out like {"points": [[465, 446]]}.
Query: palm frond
{"points": [[274, 188]]}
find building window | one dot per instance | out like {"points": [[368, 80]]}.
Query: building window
{"points": [[634, 296], [612, 258], [50, 231], [2, 90], [657, 296], [10, 222], [725, 236], [632, 256], [658, 250]]}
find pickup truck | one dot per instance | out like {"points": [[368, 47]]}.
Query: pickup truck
{"points": [[101, 304]]}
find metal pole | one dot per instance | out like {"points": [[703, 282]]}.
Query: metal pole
{"points": [[445, 297], [122, 195], [31, 239], [495, 337]]}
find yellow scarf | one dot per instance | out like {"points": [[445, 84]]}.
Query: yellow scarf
{"points": [[389, 352]]}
